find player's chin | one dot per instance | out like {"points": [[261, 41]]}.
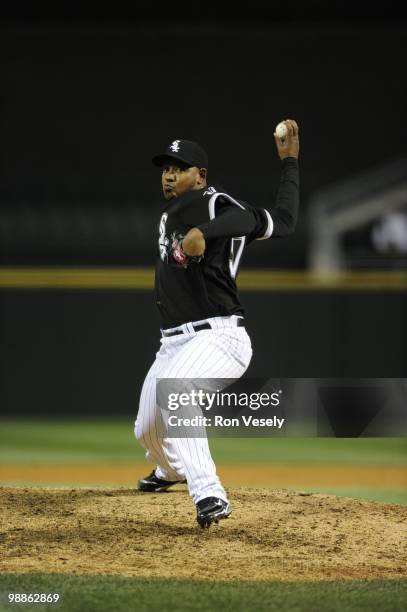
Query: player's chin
{"points": [[168, 195]]}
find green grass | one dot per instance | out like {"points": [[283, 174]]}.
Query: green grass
{"points": [[115, 594], [68, 441], [392, 496], [112, 441]]}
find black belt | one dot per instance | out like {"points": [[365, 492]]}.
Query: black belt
{"points": [[197, 327]]}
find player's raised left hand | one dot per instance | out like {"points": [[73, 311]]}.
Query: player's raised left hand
{"points": [[289, 145]]}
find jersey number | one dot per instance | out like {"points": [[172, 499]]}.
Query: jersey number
{"points": [[162, 239], [236, 252]]}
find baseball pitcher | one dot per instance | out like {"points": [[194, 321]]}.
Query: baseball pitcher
{"points": [[202, 232]]}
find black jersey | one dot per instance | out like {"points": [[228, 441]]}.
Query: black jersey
{"points": [[208, 289]]}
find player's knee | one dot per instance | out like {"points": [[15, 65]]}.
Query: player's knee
{"points": [[141, 433], [138, 431]]}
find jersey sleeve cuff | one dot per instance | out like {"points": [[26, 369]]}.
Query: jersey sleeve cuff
{"points": [[270, 227]]}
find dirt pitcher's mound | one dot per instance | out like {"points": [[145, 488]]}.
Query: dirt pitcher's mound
{"points": [[271, 535]]}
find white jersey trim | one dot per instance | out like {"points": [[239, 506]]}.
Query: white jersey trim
{"points": [[212, 202], [270, 226]]}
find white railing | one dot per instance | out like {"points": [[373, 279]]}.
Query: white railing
{"points": [[350, 205]]}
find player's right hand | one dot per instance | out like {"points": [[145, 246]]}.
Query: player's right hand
{"points": [[289, 146]]}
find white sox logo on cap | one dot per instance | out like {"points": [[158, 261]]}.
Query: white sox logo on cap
{"points": [[175, 146], [186, 151]]}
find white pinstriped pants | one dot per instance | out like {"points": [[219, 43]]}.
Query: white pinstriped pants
{"points": [[221, 352]]}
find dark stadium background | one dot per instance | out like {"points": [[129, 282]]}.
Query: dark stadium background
{"points": [[88, 96]]}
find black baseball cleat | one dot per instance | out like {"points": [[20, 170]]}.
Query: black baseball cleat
{"points": [[153, 484], [211, 510]]}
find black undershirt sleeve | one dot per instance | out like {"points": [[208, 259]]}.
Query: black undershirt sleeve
{"points": [[285, 212]]}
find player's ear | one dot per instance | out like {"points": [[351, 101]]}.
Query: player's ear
{"points": [[203, 172]]}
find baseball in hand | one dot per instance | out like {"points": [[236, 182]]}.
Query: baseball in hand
{"points": [[281, 130]]}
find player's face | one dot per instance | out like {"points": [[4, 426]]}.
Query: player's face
{"points": [[178, 178]]}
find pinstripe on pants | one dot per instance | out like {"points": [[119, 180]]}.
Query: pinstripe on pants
{"points": [[221, 352]]}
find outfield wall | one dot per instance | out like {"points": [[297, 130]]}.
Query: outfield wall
{"points": [[82, 352]]}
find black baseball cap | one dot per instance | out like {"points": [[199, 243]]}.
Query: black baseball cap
{"points": [[187, 151]]}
